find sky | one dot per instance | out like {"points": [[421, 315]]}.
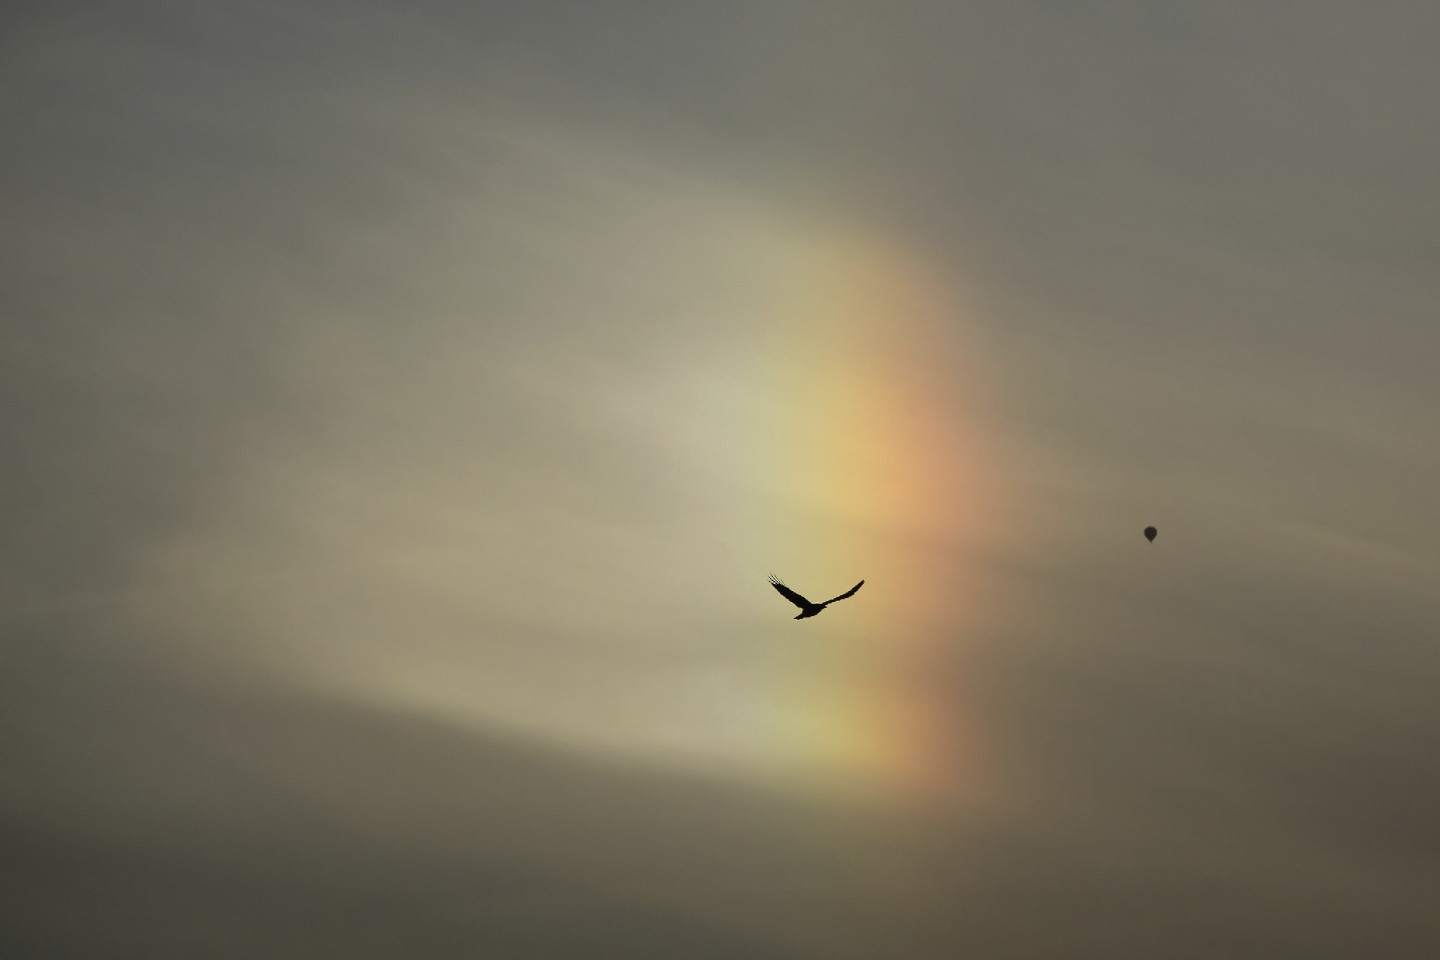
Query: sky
{"points": [[405, 403]]}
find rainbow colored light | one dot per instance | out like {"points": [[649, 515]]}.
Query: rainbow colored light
{"points": [[872, 467]]}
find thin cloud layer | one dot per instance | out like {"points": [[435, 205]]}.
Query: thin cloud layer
{"points": [[394, 406]]}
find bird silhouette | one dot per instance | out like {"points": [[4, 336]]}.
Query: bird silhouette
{"points": [[807, 608]]}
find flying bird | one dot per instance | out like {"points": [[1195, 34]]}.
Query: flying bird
{"points": [[808, 609]]}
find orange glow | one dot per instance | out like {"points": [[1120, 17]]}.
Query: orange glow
{"points": [[874, 471]]}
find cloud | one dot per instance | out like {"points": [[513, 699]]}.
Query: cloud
{"points": [[372, 382]]}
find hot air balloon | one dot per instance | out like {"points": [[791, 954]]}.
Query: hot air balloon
{"points": [[1150, 533]]}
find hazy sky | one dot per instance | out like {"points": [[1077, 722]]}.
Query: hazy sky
{"points": [[404, 403]]}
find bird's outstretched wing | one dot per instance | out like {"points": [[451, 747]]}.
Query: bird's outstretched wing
{"points": [[789, 594], [848, 593]]}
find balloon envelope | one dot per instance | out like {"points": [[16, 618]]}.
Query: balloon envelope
{"points": [[1150, 533]]}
